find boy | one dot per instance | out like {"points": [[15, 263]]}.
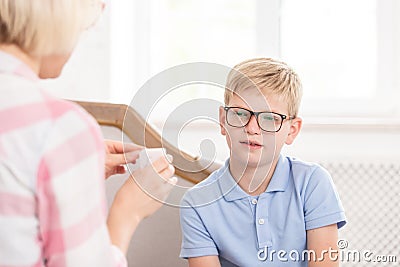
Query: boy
{"points": [[261, 208]]}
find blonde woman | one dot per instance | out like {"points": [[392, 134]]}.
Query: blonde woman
{"points": [[52, 156]]}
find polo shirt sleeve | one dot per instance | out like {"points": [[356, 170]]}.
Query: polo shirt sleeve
{"points": [[322, 205], [196, 240]]}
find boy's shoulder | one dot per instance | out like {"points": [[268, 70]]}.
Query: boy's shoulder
{"points": [[307, 167], [300, 162], [206, 191], [305, 173]]}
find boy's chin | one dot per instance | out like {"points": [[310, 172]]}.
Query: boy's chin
{"points": [[255, 161]]}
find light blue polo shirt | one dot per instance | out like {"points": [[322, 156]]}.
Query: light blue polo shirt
{"points": [[219, 218]]}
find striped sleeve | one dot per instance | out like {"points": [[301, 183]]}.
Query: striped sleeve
{"points": [[70, 192]]}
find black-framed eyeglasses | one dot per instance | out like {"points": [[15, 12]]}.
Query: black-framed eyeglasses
{"points": [[267, 121]]}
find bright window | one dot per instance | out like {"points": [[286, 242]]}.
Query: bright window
{"points": [[333, 46], [185, 31], [344, 50], [220, 31]]}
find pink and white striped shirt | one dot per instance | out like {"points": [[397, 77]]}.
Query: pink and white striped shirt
{"points": [[52, 195]]}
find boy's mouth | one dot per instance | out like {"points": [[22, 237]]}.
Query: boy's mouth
{"points": [[251, 144]]}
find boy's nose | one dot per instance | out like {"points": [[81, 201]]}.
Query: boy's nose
{"points": [[252, 127]]}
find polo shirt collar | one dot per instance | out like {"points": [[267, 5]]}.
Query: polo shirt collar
{"points": [[232, 191], [228, 186], [280, 178]]}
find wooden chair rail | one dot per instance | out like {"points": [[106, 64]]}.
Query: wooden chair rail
{"points": [[135, 127]]}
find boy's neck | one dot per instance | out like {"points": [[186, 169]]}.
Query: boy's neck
{"points": [[254, 181]]}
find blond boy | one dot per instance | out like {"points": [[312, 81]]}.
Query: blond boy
{"points": [[262, 208]]}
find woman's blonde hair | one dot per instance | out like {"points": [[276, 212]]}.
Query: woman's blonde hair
{"points": [[44, 27], [270, 77]]}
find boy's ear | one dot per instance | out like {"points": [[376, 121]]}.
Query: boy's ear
{"points": [[222, 120], [295, 127]]}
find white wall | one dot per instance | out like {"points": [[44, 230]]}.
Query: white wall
{"points": [[87, 74], [317, 141]]}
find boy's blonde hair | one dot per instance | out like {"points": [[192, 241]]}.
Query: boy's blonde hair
{"points": [[45, 27], [270, 77]]}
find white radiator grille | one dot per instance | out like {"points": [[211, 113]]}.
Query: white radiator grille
{"points": [[370, 193]]}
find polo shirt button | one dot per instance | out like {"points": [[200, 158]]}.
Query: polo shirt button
{"points": [[261, 221], [254, 201]]}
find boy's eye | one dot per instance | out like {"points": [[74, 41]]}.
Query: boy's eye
{"points": [[271, 118], [241, 114], [268, 118]]}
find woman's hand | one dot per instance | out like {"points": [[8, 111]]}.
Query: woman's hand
{"points": [[141, 195], [118, 154]]}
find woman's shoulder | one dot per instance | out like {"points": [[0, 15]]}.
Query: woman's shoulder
{"points": [[58, 108]]}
